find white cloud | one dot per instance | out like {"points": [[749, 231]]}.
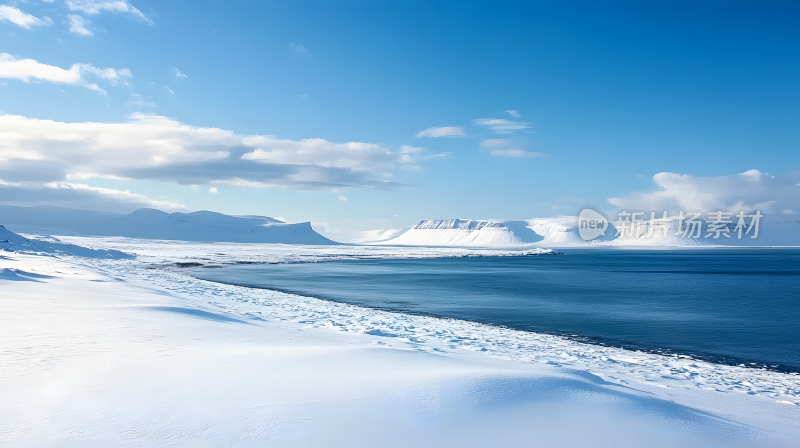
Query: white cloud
{"points": [[752, 175], [21, 18], [354, 156], [411, 162], [147, 141], [93, 86], [298, 48], [92, 7], [27, 69], [495, 142], [105, 73], [213, 190], [160, 148], [444, 131], [178, 74], [406, 149], [514, 113], [343, 198], [434, 156], [751, 190], [515, 153], [77, 25], [501, 125], [169, 90]]}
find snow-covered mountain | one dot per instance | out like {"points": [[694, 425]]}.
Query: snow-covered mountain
{"points": [[481, 233], [155, 224], [560, 231], [457, 232]]}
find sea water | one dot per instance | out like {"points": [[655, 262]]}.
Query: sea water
{"points": [[735, 306]]}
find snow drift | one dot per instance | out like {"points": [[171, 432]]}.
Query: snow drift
{"points": [[11, 242], [155, 224]]}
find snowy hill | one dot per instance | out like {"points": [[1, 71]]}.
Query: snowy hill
{"points": [[459, 232], [561, 231], [11, 242], [155, 224]]}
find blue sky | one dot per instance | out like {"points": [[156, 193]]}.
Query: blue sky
{"points": [[549, 106]]}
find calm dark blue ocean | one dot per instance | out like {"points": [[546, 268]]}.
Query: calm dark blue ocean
{"points": [[732, 306]]}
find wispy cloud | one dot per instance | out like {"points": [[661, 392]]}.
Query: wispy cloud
{"points": [[406, 149], [343, 198], [298, 48], [514, 113], [413, 162], [169, 90], [444, 131], [27, 69], [137, 100], [501, 125], [513, 152], [92, 7], [23, 19], [179, 74], [491, 142], [77, 25]]}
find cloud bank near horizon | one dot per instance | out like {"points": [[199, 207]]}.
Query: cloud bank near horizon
{"points": [[40, 159], [749, 191]]}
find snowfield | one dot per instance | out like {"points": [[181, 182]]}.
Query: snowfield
{"points": [[115, 351]]}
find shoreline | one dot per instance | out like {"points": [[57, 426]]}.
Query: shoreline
{"points": [[203, 252], [594, 341]]}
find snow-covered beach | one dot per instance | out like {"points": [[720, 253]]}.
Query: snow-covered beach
{"points": [[118, 351]]}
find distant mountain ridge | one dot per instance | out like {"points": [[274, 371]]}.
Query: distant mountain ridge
{"points": [[560, 231], [155, 224], [457, 232]]}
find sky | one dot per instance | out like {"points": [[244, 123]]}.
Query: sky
{"points": [[372, 115]]}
